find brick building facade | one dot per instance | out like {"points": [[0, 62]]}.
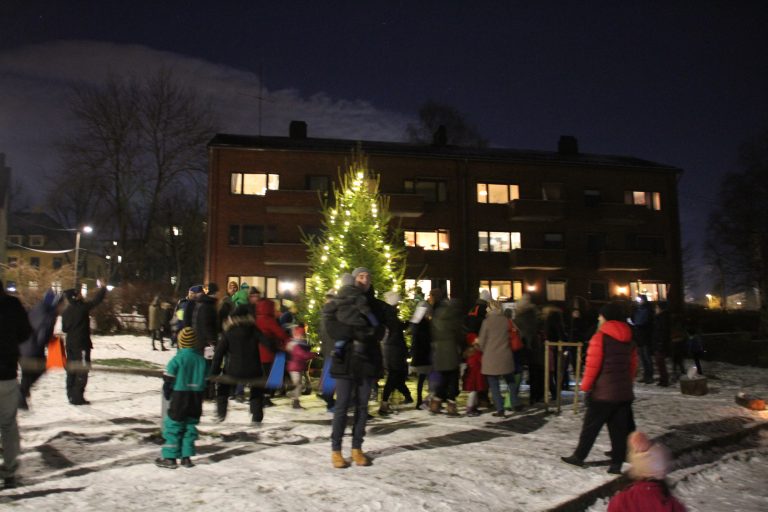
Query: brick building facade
{"points": [[557, 225]]}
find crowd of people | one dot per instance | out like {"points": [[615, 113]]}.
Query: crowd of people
{"points": [[227, 347]]}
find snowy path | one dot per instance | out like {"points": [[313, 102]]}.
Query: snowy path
{"points": [[99, 457]]}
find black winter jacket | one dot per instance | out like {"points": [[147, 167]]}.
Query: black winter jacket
{"points": [[15, 329], [76, 322], [394, 349], [238, 350]]}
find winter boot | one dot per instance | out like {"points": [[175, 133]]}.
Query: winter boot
{"points": [[153, 344], [434, 405], [360, 458], [162, 347], [472, 412], [186, 462], [165, 463], [296, 404], [385, 409], [338, 461], [451, 409]]}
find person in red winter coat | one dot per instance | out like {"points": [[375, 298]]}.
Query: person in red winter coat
{"points": [[275, 336], [608, 381], [650, 492]]}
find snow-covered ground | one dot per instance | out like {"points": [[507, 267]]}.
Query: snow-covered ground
{"points": [[100, 457]]}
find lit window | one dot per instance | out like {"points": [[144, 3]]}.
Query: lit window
{"points": [[654, 291], [556, 290], [36, 240], [437, 240], [498, 241], [503, 290], [254, 184], [266, 285], [652, 200], [497, 193], [425, 285]]}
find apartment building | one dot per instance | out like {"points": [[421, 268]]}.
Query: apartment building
{"points": [[557, 225]]}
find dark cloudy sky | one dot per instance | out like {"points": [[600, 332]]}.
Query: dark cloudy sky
{"points": [[683, 83]]}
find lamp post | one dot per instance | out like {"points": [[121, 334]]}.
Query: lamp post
{"points": [[85, 229]]}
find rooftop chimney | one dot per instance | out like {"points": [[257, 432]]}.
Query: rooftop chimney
{"points": [[568, 145], [297, 130]]}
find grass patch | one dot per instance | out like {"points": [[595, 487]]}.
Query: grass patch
{"points": [[126, 362]]}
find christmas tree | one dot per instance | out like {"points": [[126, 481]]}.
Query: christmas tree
{"points": [[356, 233]]}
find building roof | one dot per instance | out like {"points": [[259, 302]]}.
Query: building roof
{"points": [[37, 223], [223, 140]]}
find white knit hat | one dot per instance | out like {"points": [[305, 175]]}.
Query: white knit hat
{"points": [[650, 461]]}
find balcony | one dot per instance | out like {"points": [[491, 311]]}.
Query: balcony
{"points": [[292, 202], [630, 261], [537, 259], [618, 214], [292, 255], [536, 210], [405, 205]]}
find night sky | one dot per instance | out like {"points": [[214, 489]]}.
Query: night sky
{"points": [[682, 83]]}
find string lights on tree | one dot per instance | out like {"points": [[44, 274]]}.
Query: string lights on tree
{"points": [[357, 232]]}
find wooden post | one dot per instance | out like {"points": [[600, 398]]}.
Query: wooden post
{"points": [[559, 368], [546, 375]]}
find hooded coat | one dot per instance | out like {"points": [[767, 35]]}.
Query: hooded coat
{"points": [[447, 336], [42, 318], [611, 363], [239, 348], [274, 336], [493, 340]]}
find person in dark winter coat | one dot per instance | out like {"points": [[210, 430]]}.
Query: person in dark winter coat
{"points": [[527, 320], [205, 321], [155, 322], [15, 329], [608, 379], [642, 327], [237, 358], [554, 330], [183, 385], [421, 347], [228, 305], [395, 353], [447, 346], [662, 342], [354, 369], [649, 493], [327, 314], [76, 323], [43, 319]]}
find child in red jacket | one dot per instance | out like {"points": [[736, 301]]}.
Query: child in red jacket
{"points": [[649, 493], [300, 354]]}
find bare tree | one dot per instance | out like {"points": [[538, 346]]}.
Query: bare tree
{"points": [[436, 117], [136, 142], [739, 223]]}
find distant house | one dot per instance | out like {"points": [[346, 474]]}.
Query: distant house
{"points": [[558, 225], [36, 239]]}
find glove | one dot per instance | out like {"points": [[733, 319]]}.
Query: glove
{"points": [[338, 349], [168, 386]]}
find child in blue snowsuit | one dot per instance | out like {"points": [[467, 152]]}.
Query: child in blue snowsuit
{"points": [[184, 385]]}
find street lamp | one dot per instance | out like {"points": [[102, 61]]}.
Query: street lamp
{"points": [[86, 230]]}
